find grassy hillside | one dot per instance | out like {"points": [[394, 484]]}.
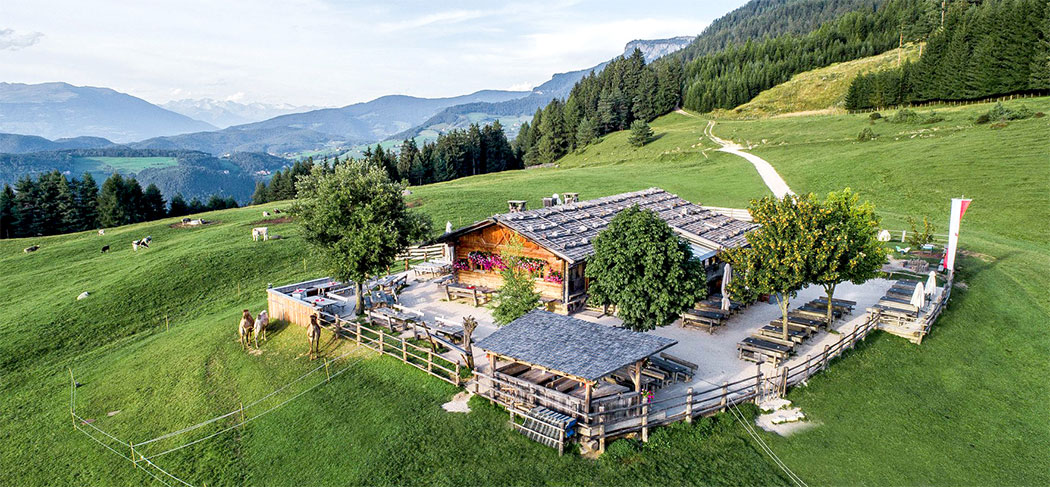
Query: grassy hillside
{"points": [[966, 407], [820, 89]]}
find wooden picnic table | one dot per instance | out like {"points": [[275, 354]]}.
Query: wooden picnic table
{"points": [[775, 331], [756, 349], [822, 311], [892, 311], [704, 319], [477, 293], [842, 304], [900, 304], [449, 329]]}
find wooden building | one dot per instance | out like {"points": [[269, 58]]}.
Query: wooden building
{"points": [[295, 303], [558, 239], [544, 362]]}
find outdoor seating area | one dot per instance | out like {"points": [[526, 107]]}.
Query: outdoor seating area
{"points": [[711, 313], [769, 343], [477, 295]]}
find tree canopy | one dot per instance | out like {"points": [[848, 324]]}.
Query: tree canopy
{"points": [[847, 248], [644, 268], [355, 219], [777, 260]]}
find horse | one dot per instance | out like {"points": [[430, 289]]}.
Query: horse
{"points": [[260, 327], [105, 248], [313, 334], [245, 328]]}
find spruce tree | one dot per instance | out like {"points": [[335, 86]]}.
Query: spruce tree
{"points": [[153, 203], [87, 202], [178, 206], [7, 213]]}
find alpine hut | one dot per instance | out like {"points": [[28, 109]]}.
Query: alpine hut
{"points": [[557, 240]]}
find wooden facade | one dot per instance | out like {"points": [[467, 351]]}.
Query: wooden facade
{"points": [[495, 239]]}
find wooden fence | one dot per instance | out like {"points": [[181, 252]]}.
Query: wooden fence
{"points": [[607, 423], [956, 103], [739, 213], [422, 358], [423, 252]]}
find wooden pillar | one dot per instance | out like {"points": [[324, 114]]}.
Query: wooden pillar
{"points": [[637, 376], [725, 395], [565, 284], [645, 423], [689, 405], [758, 383], [492, 363], [587, 397], [601, 429]]}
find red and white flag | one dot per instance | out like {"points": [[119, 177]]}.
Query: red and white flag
{"points": [[959, 207]]}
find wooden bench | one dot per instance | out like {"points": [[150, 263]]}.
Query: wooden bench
{"points": [[703, 319], [840, 304], [478, 295], [678, 372], [759, 349], [775, 331]]}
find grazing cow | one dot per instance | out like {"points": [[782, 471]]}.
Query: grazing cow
{"points": [[101, 232], [313, 334], [105, 248], [31, 249], [266, 213], [245, 328], [277, 211], [260, 232], [260, 327], [148, 239]]}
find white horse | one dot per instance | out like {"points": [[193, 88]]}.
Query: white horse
{"points": [[260, 327]]}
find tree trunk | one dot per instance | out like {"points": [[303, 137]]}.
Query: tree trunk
{"points": [[829, 291], [360, 298], [782, 300]]}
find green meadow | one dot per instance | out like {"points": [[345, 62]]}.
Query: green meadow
{"points": [[155, 342]]}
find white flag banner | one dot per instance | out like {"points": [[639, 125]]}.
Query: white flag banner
{"points": [[959, 207]]}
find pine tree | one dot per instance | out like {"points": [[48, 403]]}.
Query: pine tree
{"points": [[27, 211], [640, 133], [87, 202], [7, 212], [178, 206], [153, 203], [586, 133], [261, 194], [112, 209]]}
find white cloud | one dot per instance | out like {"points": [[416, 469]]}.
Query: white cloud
{"points": [[13, 41]]}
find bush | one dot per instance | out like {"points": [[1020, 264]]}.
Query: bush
{"points": [[933, 117], [918, 237], [866, 135], [874, 116], [1039, 115], [982, 119], [905, 115], [999, 113]]}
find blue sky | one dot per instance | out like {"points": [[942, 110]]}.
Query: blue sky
{"points": [[326, 53]]}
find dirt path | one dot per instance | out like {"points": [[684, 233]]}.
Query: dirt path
{"points": [[773, 181]]}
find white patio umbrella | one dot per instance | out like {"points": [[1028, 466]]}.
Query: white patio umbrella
{"points": [[448, 227], [726, 275], [884, 236], [931, 283], [918, 298], [556, 198]]}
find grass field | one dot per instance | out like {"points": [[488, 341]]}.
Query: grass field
{"points": [[968, 406], [819, 89], [124, 165]]}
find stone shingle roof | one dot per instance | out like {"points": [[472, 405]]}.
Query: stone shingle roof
{"points": [[568, 230], [570, 345]]}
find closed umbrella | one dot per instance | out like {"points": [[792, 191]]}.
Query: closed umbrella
{"points": [[931, 283], [448, 227], [726, 275], [918, 298]]}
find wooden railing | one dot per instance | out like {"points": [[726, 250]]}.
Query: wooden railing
{"points": [[422, 358], [422, 252]]}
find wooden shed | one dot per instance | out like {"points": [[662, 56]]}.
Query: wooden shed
{"points": [[560, 237]]}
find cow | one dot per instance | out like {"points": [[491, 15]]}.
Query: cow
{"points": [[33, 248], [105, 248]]}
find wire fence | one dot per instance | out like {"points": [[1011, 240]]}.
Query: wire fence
{"points": [[112, 442]]}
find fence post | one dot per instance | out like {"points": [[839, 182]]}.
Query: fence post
{"points": [[689, 405], [758, 384], [725, 395], [430, 361], [784, 382], [601, 428], [457, 374], [326, 370], [404, 351], [381, 334], [645, 423], [824, 361]]}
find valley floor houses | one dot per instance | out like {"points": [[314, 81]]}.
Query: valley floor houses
{"points": [[558, 239]]}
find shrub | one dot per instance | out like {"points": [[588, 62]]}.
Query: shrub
{"points": [[905, 115], [982, 119], [874, 116], [919, 237], [933, 117], [866, 135], [1039, 115], [1000, 113]]}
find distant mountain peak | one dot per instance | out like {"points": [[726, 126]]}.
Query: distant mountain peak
{"points": [[653, 49]]}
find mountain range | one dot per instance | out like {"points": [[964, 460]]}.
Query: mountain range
{"points": [[225, 113], [61, 110]]}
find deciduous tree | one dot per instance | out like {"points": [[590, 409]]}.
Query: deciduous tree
{"points": [[644, 268], [356, 221]]}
